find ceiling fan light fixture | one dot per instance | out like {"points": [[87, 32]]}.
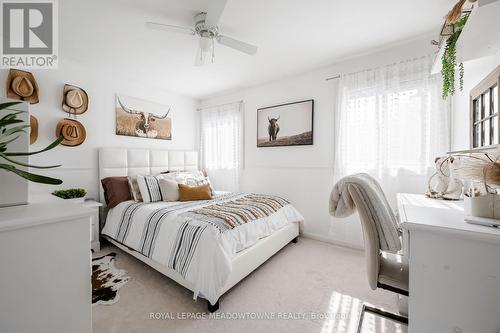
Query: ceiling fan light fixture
{"points": [[205, 44]]}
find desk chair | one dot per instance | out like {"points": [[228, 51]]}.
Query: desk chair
{"points": [[386, 268]]}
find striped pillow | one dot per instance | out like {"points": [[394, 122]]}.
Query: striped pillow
{"points": [[150, 188]]}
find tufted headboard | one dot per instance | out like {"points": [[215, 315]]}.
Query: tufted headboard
{"points": [[129, 162]]}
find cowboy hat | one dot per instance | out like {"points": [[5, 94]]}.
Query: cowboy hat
{"points": [[33, 129], [75, 100], [72, 131], [22, 86]]}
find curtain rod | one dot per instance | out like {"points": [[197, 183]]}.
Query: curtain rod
{"points": [[215, 106], [333, 77]]}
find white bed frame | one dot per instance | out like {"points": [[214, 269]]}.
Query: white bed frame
{"points": [[129, 162]]}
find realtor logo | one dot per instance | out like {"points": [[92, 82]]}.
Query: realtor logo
{"points": [[29, 34]]}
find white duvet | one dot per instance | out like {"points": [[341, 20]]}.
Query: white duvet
{"points": [[204, 257]]}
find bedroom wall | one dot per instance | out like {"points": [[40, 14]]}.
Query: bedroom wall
{"points": [[304, 174], [80, 164], [475, 71]]}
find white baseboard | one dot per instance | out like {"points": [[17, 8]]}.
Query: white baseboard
{"points": [[332, 241]]}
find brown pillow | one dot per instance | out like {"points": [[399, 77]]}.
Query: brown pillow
{"points": [[191, 193], [116, 190]]}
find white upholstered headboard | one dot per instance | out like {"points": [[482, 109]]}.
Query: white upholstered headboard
{"points": [[115, 162]]}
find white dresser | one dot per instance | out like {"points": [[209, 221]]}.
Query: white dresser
{"points": [[45, 257], [454, 268]]}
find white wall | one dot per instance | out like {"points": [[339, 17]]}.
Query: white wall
{"points": [[475, 71], [79, 164], [304, 174]]}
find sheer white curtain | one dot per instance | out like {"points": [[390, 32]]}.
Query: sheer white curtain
{"points": [[391, 123], [221, 145]]}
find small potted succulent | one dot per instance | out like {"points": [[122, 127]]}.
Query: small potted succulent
{"points": [[76, 195]]}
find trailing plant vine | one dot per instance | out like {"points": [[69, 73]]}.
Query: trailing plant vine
{"points": [[449, 60]]}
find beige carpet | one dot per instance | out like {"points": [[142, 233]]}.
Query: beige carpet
{"points": [[319, 285]]}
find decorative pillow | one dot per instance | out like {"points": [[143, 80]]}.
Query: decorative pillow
{"points": [[116, 190], [191, 193], [193, 178], [134, 188], [169, 190], [150, 188]]}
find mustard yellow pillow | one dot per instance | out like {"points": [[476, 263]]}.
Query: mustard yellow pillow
{"points": [[191, 193]]}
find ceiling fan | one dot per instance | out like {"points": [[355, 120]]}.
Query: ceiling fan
{"points": [[206, 28]]}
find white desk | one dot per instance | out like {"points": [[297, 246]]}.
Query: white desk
{"points": [[454, 268]]}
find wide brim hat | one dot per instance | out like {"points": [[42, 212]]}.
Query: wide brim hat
{"points": [[33, 129], [75, 99], [22, 86], [73, 132]]}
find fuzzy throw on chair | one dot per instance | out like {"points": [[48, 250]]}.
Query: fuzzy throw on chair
{"points": [[362, 192]]}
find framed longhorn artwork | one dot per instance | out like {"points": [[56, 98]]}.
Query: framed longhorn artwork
{"points": [[141, 118], [289, 124]]}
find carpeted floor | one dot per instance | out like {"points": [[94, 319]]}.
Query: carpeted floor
{"points": [[320, 286]]}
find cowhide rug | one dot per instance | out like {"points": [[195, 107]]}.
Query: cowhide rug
{"points": [[106, 280]]}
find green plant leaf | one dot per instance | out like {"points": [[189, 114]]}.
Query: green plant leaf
{"points": [[7, 105], [13, 130], [3, 144], [2, 155], [30, 176], [49, 147]]}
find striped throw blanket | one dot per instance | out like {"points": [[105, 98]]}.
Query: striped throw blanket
{"points": [[239, 211]]}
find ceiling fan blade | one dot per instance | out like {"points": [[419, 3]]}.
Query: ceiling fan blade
{"points": [[214, 12], [237, 44], [170, 28], [200, 58]]}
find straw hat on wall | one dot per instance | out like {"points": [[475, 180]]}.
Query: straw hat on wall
{"points": [[75, 99], [33, 129], [73, 132], [22, 86]]}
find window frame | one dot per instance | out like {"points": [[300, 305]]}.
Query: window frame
{"points": [[486, 86]]}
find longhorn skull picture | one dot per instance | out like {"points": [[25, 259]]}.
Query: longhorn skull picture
{"points": [[140, 121]]}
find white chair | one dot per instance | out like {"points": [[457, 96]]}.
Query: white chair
{"points": [[386, 268]]}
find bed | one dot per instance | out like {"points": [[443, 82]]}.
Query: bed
{"points": [[207, 246]]}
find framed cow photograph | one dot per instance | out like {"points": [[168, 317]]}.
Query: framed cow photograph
{"points": [[141, 118], [289, 124]]}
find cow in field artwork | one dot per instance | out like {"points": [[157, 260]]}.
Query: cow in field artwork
{"points": [[285, 125], [136, 117]]}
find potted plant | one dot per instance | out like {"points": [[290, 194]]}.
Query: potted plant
{"points": [[13, 158], [76, 195]]}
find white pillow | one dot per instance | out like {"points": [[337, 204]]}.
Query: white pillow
{"points": [[192, 178], [150, 188], [169, 189]]}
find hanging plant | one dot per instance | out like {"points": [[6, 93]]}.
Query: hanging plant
{"points": [[449, 60]]}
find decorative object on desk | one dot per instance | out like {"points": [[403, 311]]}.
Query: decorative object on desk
{"points": [[22, 86], [33, 129], [106, 280], [72, 132], [11, 127], [75, 100], [449, 60], [443, 184], [137, 117], [289, 124], [74, 194], [486, 205]]}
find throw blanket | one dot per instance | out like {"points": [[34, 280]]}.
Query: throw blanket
{"points": [[236, 212], [363, 193], [199, 239]]}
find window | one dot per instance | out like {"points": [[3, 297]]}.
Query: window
{"points": [[221, 144], [392, 123], [485, 121]]}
